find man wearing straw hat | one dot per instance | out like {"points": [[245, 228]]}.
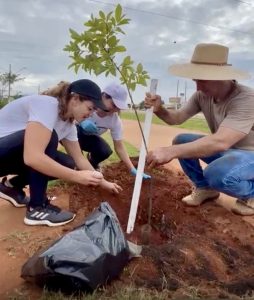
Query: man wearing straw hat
{"points": [[228, 151]]}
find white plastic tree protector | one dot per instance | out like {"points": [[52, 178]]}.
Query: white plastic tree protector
{"points": [[141, 162]]}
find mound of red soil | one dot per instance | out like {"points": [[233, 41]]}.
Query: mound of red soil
{"points": [[207, 247]]}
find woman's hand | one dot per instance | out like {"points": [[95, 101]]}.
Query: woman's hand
{"points": [[111, 186], [88, 177], [144, 175], [89, 126]]}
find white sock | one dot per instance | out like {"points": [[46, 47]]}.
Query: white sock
{"points": [[8, 184]]}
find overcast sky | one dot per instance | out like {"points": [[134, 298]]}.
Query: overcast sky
{"points": [[33, 34]]}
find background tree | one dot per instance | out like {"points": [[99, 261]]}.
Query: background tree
{"points": [[7, 79]]}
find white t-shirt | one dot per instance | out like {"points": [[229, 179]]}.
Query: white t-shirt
{"points": [[35, 108], [111, 122]]}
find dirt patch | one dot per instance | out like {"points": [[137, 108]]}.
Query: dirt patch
{"points": [[204, 252], [207, 247]]}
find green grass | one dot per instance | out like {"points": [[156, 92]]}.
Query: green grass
{"points": [[130, 292], [191, 124], [131, 150], [127, 293]]}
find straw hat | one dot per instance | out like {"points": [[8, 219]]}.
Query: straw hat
{"points": [[209, 62]]}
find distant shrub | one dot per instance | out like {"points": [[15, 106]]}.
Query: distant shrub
{"points": [[3, 102]]}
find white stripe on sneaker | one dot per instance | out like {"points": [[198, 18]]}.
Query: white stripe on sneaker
{"points": [[44, 216], [35, 214], [40, 214]]}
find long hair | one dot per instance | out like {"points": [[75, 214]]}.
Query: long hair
{"points": [[61, 92]]}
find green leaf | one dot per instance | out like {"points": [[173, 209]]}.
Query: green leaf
{"points": [[71, 65], [67, 48], [118, 13], [76, 68], [74, 34], [72, 47], [112, 70], [120, 49], [132, 86], [102, 15], [142, 81], [127, 60], [124, 22], [139, 68], [89, 23], [118, 29], [112, 41]]}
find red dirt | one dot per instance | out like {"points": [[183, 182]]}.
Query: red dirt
{"points": [[207, 248]]}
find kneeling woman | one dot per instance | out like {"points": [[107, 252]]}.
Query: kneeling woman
{"points": [[30, 130]]}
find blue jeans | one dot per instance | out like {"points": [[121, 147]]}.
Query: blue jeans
{"points": [[230, 172]]}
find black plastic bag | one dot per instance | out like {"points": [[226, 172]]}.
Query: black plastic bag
{"points": [[83, 259]]}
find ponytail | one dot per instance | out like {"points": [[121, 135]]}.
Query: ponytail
{"points": [[61, 92]]}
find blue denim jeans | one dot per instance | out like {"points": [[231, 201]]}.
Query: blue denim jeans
{"points": [[230, 172]]}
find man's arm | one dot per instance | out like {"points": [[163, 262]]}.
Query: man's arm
{"points": [[211, 144], [206, 146], [171, 117]]}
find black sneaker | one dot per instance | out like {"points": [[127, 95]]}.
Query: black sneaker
{"points": [[15, 196], [96, 167], [49, 215]]}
